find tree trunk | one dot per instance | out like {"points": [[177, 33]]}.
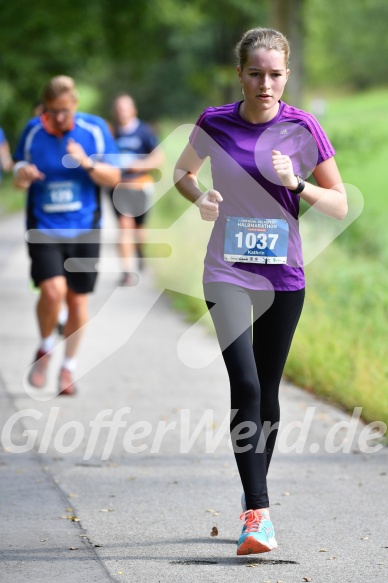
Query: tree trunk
{"points": [[287, 17]]}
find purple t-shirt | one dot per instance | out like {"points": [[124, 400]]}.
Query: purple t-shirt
{"points": [[242, 171]]}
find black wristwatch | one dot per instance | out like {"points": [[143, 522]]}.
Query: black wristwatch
{"points": [[300, 187]]}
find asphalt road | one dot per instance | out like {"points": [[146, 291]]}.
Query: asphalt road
{"points": [[87, 499]]}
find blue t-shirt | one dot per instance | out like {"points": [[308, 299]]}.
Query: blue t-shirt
{"points": [[140, 140], [66, 202]]}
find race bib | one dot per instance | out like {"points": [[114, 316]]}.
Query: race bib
{"points": [[256, 240], [61, 197]]}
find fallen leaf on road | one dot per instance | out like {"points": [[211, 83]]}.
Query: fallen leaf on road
{"points": [[323, 550], [214, 531], [307, 579], [73, 548], [106, 510], [252, 565], [214, 512], [72, 518], [73, 495], [42, 540]]}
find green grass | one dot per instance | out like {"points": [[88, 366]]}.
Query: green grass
{"points": [[340, 344], [12, 199], [339, 349], [358, 128]]}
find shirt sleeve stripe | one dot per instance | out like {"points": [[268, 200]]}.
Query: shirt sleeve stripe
{"points": [[28, 141], [96, 132], [325, 148]]}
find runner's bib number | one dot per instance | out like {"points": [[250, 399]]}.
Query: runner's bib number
{"points": [[61, 197], [256, 240]]}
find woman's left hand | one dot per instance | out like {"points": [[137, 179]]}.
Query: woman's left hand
{"points": [[283, 167]]}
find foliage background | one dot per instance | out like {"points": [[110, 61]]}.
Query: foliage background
{"points": [[175, 56]]}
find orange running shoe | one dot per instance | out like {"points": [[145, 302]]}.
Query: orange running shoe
{"points": [[258, 534]]}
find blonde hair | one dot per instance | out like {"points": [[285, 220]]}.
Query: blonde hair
{"points": [[258, 38], [59, 85]]}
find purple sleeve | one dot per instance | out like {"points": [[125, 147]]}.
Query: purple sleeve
{"points": [[325, 148], [199, 138], [309, 122]]}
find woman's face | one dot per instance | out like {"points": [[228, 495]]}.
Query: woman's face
{"points": [[263, 78]]}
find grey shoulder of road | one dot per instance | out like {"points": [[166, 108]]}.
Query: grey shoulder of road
{"points": [[41, 538], [141, 456]]}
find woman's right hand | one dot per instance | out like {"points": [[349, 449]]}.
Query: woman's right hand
{"points": [[208, 204]]}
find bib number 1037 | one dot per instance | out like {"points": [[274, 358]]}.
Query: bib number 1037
{"points": [[256, 240], [259, 241]]}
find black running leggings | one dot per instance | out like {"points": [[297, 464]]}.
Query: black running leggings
{"points": [[255, 356]]}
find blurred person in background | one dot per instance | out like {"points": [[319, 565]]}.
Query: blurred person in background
{"points": [[6, 162], [132, 198], [39, 109], [62, 160]]}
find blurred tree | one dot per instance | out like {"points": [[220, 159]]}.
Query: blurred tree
{"points": [[187, 61], [176, 56], [345, 45], [287, 17], [39, 40]]}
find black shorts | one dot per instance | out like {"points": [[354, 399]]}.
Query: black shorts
{"points": [[48, 257], [130, 202]]}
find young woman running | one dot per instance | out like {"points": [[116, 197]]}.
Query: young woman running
{"points": [[261, 151]]}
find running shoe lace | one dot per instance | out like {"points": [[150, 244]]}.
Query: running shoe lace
{"points": [[252, 520]]}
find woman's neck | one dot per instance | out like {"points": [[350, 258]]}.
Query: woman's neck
{"points": [[252, 115]]}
